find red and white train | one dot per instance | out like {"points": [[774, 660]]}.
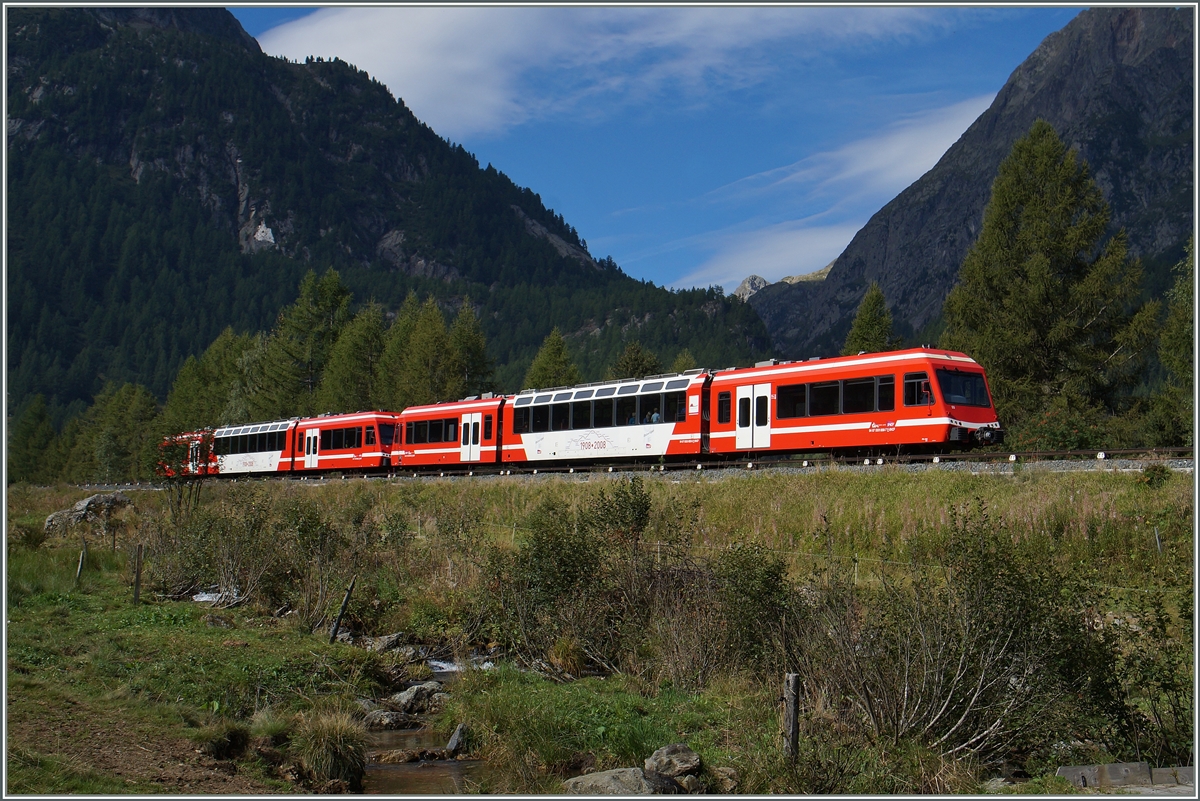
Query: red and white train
{"points": [[918, 399]]}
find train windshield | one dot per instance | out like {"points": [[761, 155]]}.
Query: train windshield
{"points": [[963, 389]]}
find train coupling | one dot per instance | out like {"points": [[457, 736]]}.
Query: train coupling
{"points": [[976, 436]]}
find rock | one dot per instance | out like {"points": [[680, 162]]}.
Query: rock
{"points": [[378, 719], [396, 757], [366, 704], [727, 780], [622, 781], [217, 622], [673, 760], [456, 739], [387, 642], [750, 285], [663, 785], [95, 507], [692, 784], [419, 699]]}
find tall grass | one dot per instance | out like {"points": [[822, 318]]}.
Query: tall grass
{"points": [[331, 745]]}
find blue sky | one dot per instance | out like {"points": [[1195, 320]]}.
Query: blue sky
{"points": [[698, 145]]}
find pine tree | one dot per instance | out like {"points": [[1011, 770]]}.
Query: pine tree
{"points": [[347, 383], [1039, 303], [395, 345], [201, 391], [635, 362], [30, 442], [422, 376], [303, 338], [469, 371], [871, 331], [552, 366], [684, 361], [1176, 342]]}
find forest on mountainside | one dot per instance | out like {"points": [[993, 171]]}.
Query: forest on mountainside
{"points": [[167, 182]]}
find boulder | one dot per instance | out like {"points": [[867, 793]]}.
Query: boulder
{"points": [[387, 642], [727, 780], [419, 699], [378, 719], [622, 781], [673, 760], [692, 784]]}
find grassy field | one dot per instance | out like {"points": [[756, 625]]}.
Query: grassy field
{"points": [[666, 593]]}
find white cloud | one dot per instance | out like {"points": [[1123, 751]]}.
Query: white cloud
{"points": [[471, 70], [791, 248]]}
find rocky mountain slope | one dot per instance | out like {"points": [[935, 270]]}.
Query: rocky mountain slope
{"points": [[167, 179], [1116, 83]]}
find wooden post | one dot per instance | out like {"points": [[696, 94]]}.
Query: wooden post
{"points": [[79, 570], [137, 575], [791, 714], [337, 624]]}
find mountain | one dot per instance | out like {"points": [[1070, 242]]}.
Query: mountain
{"points": [[1116, 83], [166, 179]]}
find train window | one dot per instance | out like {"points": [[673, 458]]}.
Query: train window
{"points": [[244, 443], [606, 392], [421, 432], [465, 437], [560, 416], [474, 433], [627, 390], [562, 396], [542, 399], [410, 432], [824, 398], [964, 389], [723, 407], [437, 431], [583, 394], [452, 429], [219, 446], [581, 414], [627, 414], [370, 435], [387, 433], [655, 387], [743, 412], [916, 390], [541, 418], [524, 401], [674, 406], [651, 408], [887, 393], [858, 395], [790, 401], [760, 411], [487, 427], [602, 416], [678, 383], [521, 421]]}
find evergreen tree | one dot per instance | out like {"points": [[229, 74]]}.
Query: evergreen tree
{"points": [[469, 369], [1039, 303], [116, 439], [395, 345], [634, 362], [1176, 342], [871, 331], [201, 392], [304, 337], [422, 376], [347, 383], [552, 367], [684, 361], [31, 442]]}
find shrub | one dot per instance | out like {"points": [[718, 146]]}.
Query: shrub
{"points": [[270, 725], [331, 745], [222, 738]]}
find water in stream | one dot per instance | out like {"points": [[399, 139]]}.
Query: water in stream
{"points": [[434, 777]]}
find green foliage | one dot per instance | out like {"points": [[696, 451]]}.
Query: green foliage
{"points": [[222, 738], [32, 455], [752, 592], [331, 745], [391, 361], [470, 371], [306, 333], [200, 396], [115, 439], [622, 515], [552, 367], [1176, 343], [426, 366], [871, 331], [1040, 303], [634, 362], [684, 361], [347, 384]]}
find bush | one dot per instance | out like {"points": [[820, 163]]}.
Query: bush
{"points": [[222, 738], [331, 745]]}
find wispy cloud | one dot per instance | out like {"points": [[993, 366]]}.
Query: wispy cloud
{"points": [[478, 71]]}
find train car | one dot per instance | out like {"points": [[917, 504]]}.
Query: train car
{"points": [[254, 448], [349, 442], [650, 418], [190, 454], [871, 402], [451, 434]]}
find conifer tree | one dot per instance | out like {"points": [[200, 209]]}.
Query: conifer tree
{"points": [[347, 383], [116, 439], [201, 391], [871, 331], [469, 370], [422, 377], [684, 361], [552, 366], [395, 345], [1040, 303], [299, 347], [30, 442], [635, 362], [1176, 342]]}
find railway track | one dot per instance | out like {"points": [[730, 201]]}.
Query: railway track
{"points": [[992, 461]]}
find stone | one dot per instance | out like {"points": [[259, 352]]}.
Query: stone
{"points": [[673, 760], [663, 785], [692, 784], [217, 622], [378, 719], [1173, 775], [727, 780], [622, 781], [387, 642], [1119, 774], [456, 739], [419, 699]]}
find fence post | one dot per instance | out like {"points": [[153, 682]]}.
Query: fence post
{"points": [[337, 624], [137, 575], [791, 714]]}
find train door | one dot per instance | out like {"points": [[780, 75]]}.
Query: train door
{"points": [[753, 417], [312, 437], [469, 451], [194, 458]]}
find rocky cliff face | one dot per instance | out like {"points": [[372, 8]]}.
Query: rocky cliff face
{"points": [[1116, 83]]}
